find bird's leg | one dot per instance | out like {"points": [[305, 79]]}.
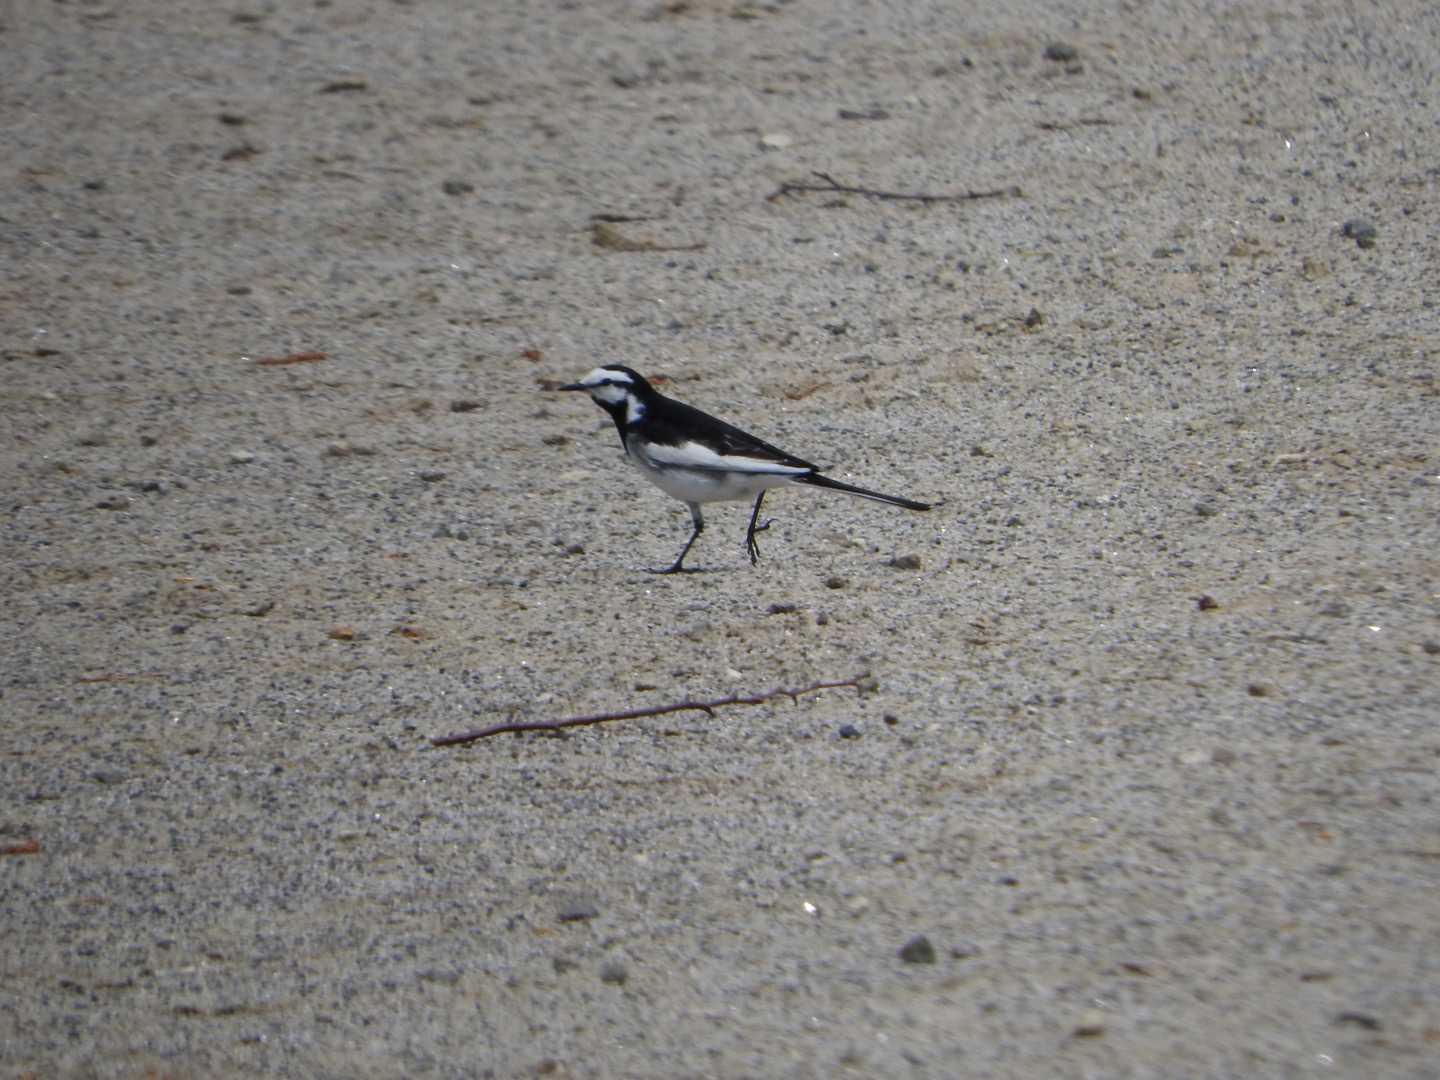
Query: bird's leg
{"points": [[677, 567], [751, 544]]}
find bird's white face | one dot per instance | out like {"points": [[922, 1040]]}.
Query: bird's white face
{"points": [[607, 385], [612, 389]]}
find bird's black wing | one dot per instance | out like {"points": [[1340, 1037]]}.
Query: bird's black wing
{"points": [[677, 423]]}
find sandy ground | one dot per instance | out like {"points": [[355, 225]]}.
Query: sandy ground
{"points": [[1149, 756]]}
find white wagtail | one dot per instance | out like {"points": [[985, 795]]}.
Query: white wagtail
{"points": [[697, 458]]}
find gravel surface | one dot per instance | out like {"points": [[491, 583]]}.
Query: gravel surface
{"points": [[1142, 780]]}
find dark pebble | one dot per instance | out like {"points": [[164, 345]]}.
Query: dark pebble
{"points": [[614, 973], [849, 731], [1362, 232], [906, 562], [577, 911], [918, 950], [431, 476], [1361, 1020], [464, 405], [835, 581], [1060, 52], [457, 187], [1206, 603]]}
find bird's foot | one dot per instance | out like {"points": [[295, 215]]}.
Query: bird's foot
{"points": [[751, 544]]}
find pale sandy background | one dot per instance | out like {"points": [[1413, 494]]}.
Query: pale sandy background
{"points": [[1144, 834]]}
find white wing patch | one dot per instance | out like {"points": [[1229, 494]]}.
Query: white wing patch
{"points": [[693, 455]]}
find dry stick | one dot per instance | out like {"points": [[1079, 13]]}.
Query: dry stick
{"points": [[833, 185], [707, 707]]}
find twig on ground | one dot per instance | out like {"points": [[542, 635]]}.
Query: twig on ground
{"points": [[292, 358], [860, 682], [834, 186]]}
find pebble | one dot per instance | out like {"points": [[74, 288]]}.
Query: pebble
{"points": [[1361, 231], [906, 562], [849, 731], [776, 140], [241, 457], [457, 187], [577, 911], [431, 476], [918, 950], [835, 581], [614, 973], [1060, 52]]}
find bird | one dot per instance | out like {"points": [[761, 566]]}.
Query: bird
{"points": [[698, 458]]}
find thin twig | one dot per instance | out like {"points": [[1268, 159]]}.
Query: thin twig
{"points": [[834, 186], [860, 682], [292, 358]]}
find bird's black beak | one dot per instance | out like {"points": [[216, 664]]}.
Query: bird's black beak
{"points": [[573, 386]]}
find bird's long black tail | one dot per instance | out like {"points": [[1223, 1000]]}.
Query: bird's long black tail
{"points": [[835, 485]]}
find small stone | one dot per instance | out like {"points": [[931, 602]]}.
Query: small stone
{"points": [[241, 457], [431, 476], [1034, 318], [114, 502], [835, 581], [577, 911], [781, 609], [776, 140], [1361, 231], [906, 562], [1206, 602], [918, 950], [1431, 648], [457, 187], [464, 405], [574, 549], [1335, 609], [614, 973], [1060, 52], [1360, 1020], [849, 731]]}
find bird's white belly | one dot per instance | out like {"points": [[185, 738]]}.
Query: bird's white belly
{"points": [[710, 485]]}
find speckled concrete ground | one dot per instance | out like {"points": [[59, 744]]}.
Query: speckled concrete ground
{"points": [[1150, 756]]}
